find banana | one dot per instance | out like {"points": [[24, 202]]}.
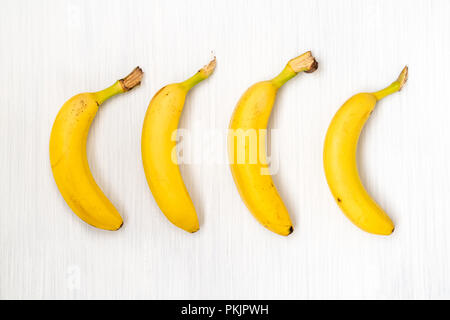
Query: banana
{"points": [[339, 159], [158, 148], [68, 156], [250, 172]]}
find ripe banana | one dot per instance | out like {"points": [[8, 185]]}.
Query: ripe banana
{"points": [[158, 148], [69, 160], [250, 172], [340, 160]]}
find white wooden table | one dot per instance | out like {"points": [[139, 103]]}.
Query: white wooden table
{"points": [[51, 50]]}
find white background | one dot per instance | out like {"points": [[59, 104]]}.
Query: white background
{"points": [[51, 50]]}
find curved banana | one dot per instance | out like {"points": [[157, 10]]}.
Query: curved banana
{"points": [[158, 156], [69, 160], [339, 159], [248, 161]]}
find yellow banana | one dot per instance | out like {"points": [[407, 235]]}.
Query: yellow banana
{"points": [[158, 151], [340, 160], [248, 161], [69, 160]]}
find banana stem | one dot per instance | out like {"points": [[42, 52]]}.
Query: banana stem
{"points": [[284, 76], [122, 85], [103, 95], [395, 86], [305, 62], [201, 75]]}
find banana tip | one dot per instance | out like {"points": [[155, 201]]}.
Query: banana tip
{"points": [[195, 230], [403, 77], [209, 68], [132, 80], [313, 68], [291, 229], [305, 62]]}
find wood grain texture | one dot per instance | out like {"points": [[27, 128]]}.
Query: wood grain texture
{"points": [[51, 50]]}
